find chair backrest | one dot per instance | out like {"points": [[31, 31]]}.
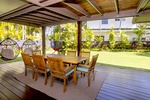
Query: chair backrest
{"points": [[93, 61], [36, 52], [26, 59], [85, 54], [71, 53], [56, 65], [39, 62]]}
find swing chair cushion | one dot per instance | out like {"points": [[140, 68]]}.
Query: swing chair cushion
{"points": [[28, 51], [7, 53]]}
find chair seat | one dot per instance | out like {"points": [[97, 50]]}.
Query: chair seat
{"points": [[80, 68], [69, 72]]}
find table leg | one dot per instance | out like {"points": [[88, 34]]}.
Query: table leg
{"points": [[75, 76]]}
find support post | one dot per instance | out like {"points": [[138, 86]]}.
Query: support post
{"points": [[79, 36], [43, 40]]}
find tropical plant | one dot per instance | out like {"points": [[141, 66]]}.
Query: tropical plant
{"points": [[123, 40], [139, 31], [112, 40]]}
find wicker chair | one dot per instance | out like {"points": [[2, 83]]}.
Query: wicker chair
{"points": [[40, 66], [87, 69], [28, 63], [58, 70]]}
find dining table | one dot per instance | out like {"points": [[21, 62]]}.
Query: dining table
{"points": [[74, 60]]}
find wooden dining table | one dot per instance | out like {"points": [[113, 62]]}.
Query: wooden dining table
{"points": [[70, 60]]}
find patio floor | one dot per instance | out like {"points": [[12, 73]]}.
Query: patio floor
{"points": [[120, 84]]}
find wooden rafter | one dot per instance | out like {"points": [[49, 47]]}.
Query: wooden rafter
{"points": [[77, 8], [52, 14], [45, 16], [29, 9], [46, 3], [63, 11], [116, 6], [95, 6], [142, 5]]}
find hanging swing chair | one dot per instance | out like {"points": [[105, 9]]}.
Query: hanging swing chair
{"points": [[28, 46], [9, 49]]}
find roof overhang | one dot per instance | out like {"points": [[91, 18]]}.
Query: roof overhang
{"points": [[40, 13]]}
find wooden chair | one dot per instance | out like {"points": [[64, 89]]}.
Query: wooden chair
{"points": [[40, 66], [28, 63], [36, 52], [71, 53], [58, 70], [85, 54], [87, 69]]}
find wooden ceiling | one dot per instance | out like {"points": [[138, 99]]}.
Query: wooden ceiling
{"points": [[52, 12]]}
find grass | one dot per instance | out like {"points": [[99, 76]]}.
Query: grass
{"points": [[132, 60]]}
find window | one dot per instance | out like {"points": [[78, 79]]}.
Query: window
{"points": [[105, 21], [120, 19]]}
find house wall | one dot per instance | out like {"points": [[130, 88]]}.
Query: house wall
{"points": [[100, 29]]}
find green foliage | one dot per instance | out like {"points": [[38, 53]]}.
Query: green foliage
{"points": [[112, 38], [123, 40], [15, 31], [68, 34], [139, 32]]}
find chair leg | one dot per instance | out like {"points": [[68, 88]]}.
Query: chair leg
{"points": [[51, 80], [36, 75], [25, 71], [93, 75], [88, 79], [33, 72], [64, 84], [45, 78]]}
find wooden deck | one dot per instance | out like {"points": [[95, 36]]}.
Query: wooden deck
{"points": [[120, 84]]}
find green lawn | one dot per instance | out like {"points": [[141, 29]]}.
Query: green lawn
{"points": [[124, 59], [118, 59]]}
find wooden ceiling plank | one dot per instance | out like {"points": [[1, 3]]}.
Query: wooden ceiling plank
{"points": [[15, 10], [45, 16], [116, 6], [32, 8], [38, 18], [63, 11], [142, 4], [77, 8], [52, 14], [46, 3], [23, 23], [95, 6]]}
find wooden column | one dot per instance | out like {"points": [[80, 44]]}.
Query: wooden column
{"points": [[43, 40], [79, 36]]}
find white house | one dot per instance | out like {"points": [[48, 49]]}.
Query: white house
{"points": [[102, 27]]}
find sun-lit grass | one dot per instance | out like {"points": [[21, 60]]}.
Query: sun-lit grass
{"points": [[124, 59], [135, 60]]}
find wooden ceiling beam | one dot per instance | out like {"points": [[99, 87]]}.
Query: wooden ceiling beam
{"points": [[77, 8], [95, 6], [116, 6], [45, 16], [142, 5], [22, 23], [46, 3], [52, 14], [63, 11], [15, 10], [38, 18], [29, 9]]}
